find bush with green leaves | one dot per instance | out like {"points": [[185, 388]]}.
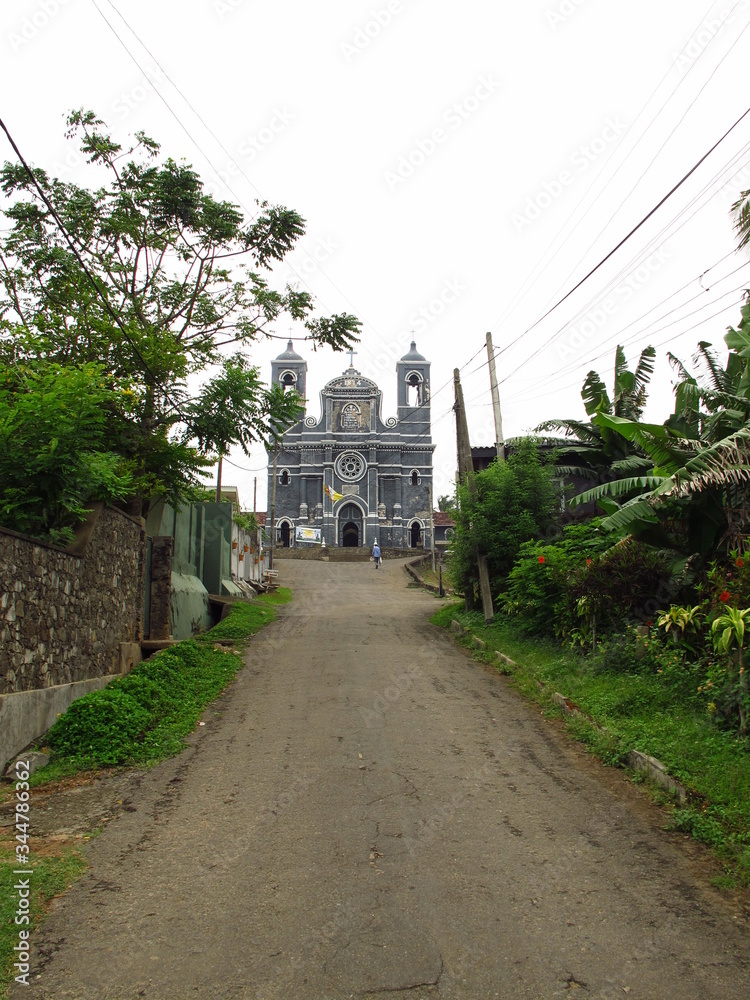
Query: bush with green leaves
{"points": [[511, 502], [54, 446], [539, 595]]}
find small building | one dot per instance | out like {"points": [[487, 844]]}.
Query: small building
{"points": [[351, 476]]}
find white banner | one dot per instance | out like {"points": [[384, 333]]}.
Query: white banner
{"points": [[302, 534]]}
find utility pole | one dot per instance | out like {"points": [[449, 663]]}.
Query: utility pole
{"points": [[273, 509], [218, 479], [499, 442], [466, 474], [432, 531], [255, 495]]}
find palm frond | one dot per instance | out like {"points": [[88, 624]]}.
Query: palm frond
{"points": [[633, 463], [618, 488], [725, 463], [741, 211], [594, 394], [643, 372], [632, 514], [715, 372], [676, 363], [572, 428]]}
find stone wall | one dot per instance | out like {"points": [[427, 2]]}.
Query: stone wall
{"points": [[65, 612]]}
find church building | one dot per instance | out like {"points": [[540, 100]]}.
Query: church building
{"points": [[352, 477]]}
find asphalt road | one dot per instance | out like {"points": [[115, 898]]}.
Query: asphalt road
{"points": [[368, 811]]}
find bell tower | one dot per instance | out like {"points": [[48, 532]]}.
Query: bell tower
{"points": [[413, 393], [289, 370]]}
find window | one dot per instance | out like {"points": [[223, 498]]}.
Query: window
{"points": [[415, 478], [288, 381], [284, 477], [350, 418], [414, 389]]}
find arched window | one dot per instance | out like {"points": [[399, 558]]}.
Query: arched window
{"points": [[288, 381], [414, 479], [414, 391], [284, 477]]}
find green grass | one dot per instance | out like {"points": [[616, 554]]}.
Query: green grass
{"points": [[144, 717], [51, 876], [136, 720], [638, 712]]}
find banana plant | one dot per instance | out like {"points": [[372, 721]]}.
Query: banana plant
{"points": [[597, 449], [728, 631]]}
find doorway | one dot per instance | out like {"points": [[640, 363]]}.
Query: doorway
{"points": [[416, 535], [350, 519]]}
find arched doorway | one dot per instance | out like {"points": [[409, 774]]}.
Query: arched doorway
{"points": [[350, 526], [416, 535], [286, 534]]}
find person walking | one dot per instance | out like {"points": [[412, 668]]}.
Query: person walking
{"points": [[376, 555]]}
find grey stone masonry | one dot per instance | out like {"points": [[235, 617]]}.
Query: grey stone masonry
{"points": [[63, 613], [352, 475]]}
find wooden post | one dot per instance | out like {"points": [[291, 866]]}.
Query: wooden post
{"points": [[218, 479], [466, 473]]}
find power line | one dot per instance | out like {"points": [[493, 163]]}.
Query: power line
{"points": [[666, 140], [92, 280], [533, 275], [642, 254], [635, 229]]}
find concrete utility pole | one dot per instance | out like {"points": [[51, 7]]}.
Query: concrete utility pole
{"points": [[432, 532], [273, 509], [466, 474], [499, 442]]}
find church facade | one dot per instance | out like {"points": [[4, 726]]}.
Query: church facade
{"points": [[352, 477]]}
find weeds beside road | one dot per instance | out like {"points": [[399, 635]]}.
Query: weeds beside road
{"points": [[636, 711], [137, 720]]}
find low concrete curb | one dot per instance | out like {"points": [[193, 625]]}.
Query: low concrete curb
{"points": [[638, 761], [411, 569], [26, 715]]}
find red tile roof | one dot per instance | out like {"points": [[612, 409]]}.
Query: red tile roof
{"points": [[443, 519]]}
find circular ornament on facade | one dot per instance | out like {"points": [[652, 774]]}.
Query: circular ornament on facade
{"points": [[351, 466], [391, 422], [310, 422]]}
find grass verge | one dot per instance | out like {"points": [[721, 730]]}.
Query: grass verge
{"points": [[145, 716], [636, 711], [48, 876], [139, 719]]}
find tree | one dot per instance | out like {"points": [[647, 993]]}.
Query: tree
{"points": [[600, 453], [152, 279], [53, 449], [694, 494], [513, 502]]}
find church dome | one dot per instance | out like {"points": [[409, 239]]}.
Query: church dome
{"points": [[413, 354], [289, 354]]}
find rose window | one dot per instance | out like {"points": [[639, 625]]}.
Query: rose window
{"points": [[350, 466]]}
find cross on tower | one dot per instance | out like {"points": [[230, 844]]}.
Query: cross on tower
{"points": [[352, 352]]}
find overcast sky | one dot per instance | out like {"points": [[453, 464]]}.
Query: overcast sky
{"points": [[461, 167]]}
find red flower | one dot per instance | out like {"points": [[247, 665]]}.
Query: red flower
{"points": [[739, 562], [725, 596], [589, 561], [541, 559]]}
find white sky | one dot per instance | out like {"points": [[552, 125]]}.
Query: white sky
{"points": [[526, 131]]}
